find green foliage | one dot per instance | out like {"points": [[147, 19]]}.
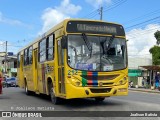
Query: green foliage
{"points": [[155, 51], [157, 36]]}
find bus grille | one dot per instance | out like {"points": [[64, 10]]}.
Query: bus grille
{"points": [[111, 83], [102, 77], [101, 90]]}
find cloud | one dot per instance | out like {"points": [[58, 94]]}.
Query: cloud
{"points": [[67, 8], [52, 16], [98, 3], [12, 21], [141, 40], [9, 21]]}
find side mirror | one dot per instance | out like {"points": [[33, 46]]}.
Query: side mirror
{"points": [[64, 42]]}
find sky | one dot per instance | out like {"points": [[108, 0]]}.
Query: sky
{"points": [[21, 21]]}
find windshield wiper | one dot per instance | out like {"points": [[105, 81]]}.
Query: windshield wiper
{"points": [[110, 42], [105, 50], [88, 44]]}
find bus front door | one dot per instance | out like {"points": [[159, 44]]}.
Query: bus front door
{"points": [[61, 78]]}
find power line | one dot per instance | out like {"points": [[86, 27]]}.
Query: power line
{"points": [[142, 16], [115, 5], [153, 28], [142, 33], [100, 11], [142, 26], [143, 22], [90, 14], [10, 45], [95, 14]]}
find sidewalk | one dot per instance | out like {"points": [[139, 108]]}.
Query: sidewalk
{"points": [[144, 90]]}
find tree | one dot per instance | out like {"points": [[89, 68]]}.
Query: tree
{"points": [[157, 36], [155, 50]]}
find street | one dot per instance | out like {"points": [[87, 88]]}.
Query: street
{"points": [[14, 99]]}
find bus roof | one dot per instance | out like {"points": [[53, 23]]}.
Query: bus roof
{"points": [[58, 26]]}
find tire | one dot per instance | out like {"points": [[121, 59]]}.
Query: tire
{"points": [[99, 99], [26, 90], [55, 100]]}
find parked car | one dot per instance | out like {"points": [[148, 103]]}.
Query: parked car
{"points": [[11, 82]]}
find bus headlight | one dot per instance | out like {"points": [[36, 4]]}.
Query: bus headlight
{"points": [[125, 78], [122, 81], [76, 82]]}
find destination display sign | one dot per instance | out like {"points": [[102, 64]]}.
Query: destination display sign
{"points": [[95, 28]]}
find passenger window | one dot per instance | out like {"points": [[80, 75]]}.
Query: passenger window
{"points": [[26, 57], [30, 55], [50, 48], [42, 50]]}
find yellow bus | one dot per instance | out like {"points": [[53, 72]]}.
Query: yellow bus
{"points": [[76, 59]]}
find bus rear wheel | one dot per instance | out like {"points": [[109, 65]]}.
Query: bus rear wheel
{"points": [[55, 100], [99, 99]]}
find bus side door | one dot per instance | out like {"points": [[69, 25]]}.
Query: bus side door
{"points": [[61, 78], [35, 77]]}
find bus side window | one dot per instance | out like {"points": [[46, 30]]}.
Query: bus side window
{"points": [[26, 57], [42, 50], [50, 47], [30, 55]]}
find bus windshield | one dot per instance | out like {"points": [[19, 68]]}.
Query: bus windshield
{"points": [[107, 53]]}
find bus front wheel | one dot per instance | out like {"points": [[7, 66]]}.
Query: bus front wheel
{"points": [[99, 99], [55, 100]]}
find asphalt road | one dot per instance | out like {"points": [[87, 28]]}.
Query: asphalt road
{"points": [[15, 99]]}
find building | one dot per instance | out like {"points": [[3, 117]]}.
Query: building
{"points": [[10, 68], [135, 72]]}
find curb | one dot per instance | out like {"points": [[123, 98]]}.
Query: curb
{"points": [[148, 91]]}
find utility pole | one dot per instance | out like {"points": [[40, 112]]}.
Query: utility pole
{"points": [[6, 59], [101, 12]]}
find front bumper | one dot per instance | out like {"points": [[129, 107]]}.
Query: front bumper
{"points": [[89, 92]]}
